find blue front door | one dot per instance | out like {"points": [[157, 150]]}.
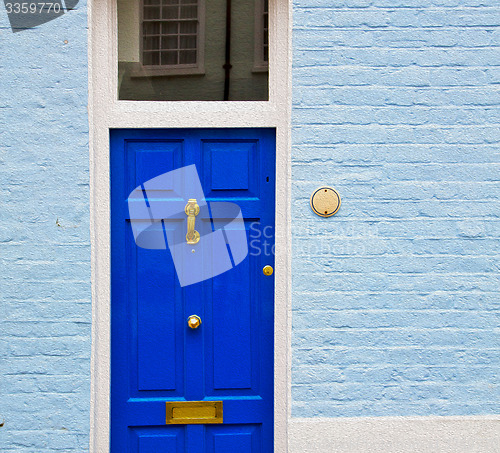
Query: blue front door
{"points": [[225, 364]]}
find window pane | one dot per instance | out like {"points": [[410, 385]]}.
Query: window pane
{"points": [[151, 12], [169, 58], [151, 58], [188, 27], [189, 12], [187, 56], [188, 42], [169, 42], [170, 28], [152, 28], [170, 12], [151, 43], [173, 50]]}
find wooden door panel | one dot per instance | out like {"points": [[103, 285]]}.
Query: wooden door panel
{"points": [[160, 348], [234, 438], [158, 440]]}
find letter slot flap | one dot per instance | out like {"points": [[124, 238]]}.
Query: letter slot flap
{"points": [[193, 412]]}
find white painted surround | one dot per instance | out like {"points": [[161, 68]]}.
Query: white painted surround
{"points": [[105, 113], [318, 435], [395, 435]]}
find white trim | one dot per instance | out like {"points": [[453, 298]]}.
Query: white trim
{"points": [[475, 434], [106, 112], [163, 71]]}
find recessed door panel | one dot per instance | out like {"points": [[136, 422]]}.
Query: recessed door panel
{"points": [[239, 180], [158, 340], [157, 440], [235, 438], [232, 346]]}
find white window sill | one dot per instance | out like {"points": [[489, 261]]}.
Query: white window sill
{"points": [[148, 71], [260, 68]]}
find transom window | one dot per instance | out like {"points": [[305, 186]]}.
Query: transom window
{"points": [[170, 33], [193, 50]]}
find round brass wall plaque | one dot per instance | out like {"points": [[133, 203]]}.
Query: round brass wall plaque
{"points": [[325, 201]]}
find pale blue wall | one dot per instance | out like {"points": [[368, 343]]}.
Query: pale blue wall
{"points": [[396, 307], [44, 237]]}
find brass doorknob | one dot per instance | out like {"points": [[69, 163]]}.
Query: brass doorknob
{"points": [[268, 270], [194, 321]]}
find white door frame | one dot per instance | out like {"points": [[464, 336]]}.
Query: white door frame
{"points": [[105, 113]]}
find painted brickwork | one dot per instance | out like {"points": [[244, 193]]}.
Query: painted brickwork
{"points": [[44, 237], [396, 307], [396, 299]]}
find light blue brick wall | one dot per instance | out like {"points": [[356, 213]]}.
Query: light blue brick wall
{"points": [[44, 237], [396, 299]]}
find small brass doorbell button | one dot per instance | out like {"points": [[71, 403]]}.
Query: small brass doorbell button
{"points": [[325, 201], [268, 270], [194, 321]]}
